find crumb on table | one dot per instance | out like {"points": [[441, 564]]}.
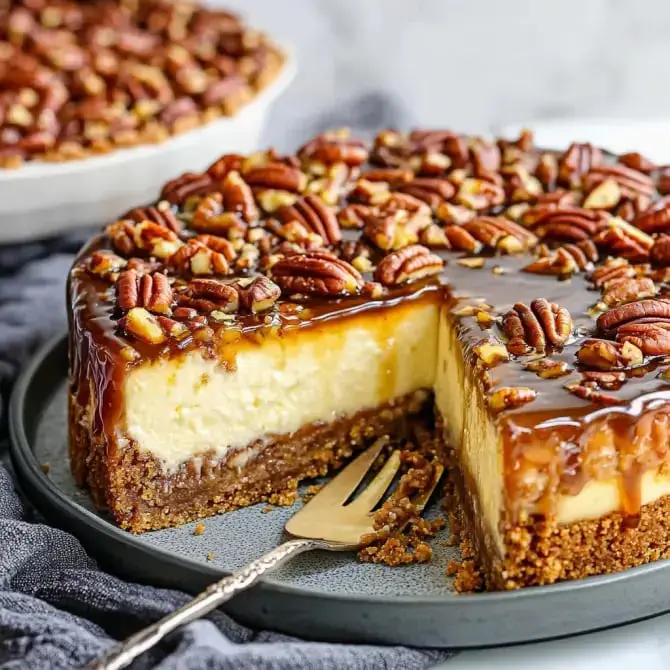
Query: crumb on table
{"points": [[199, 529]]}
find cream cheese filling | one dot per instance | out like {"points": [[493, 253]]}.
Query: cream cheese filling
{"points": [[181, 407]]}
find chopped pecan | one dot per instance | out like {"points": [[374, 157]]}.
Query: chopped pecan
{"points": [[663, 183], [656, 219], [509, 397], [334, 148], [547, 170], [199, 258], [353, 216], [578, 160], [490, 352], [210, 217], [651, 336], [622, 290], [610, 381], [407, 265], [548, 369], [161, 214], [462, 240], [224, 296], [621, 238], [143, 325], [456, 214], [565, 260], [631, 182], [649, 309], [479, 194], [122, 235], [105, 264], [607, 355], [154, 240], [238, 197], [176, 191], [638, 162], [315, 216], [394, 177], [660, 252], [500, 233], [536, 327], [316, 273], [295, 232], [277, 176], [259, 295], [588, 392], [605, 195], [434, 237]]}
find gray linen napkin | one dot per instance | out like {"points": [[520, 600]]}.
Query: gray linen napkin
{"points": [[57, 609]]}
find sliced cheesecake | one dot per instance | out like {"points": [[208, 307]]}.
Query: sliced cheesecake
{"points": [[270, 316]]}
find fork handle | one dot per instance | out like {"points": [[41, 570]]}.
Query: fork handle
{"points": [[124, 653]]}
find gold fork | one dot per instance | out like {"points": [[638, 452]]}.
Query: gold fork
{"points": [[325, 522]]}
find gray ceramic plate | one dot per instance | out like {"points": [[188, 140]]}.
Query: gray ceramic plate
{"points": [[319, 595]]}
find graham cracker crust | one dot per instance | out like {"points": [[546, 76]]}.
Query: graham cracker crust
{"points": [[142, 497], [541, 552]]}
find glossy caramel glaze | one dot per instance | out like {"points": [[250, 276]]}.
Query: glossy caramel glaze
{"points": [[552, 445]]}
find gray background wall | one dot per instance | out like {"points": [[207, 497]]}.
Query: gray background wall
{"points": [[469, 65]]}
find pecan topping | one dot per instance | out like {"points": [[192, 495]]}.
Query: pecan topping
{"points": [[660, 252], [238, 197], [651, 337], [408, 265], [479, 194], [220, 168], [612, 269], [636, 161], [461, 239], [655, 219], [199, 258], [548, 369], [224, 297], [631, 182], [649, 309], [536, 327], [610, 381], [433, 191], [162, 214], [490, 352], [578, 160], [618, 291], [189, 184], [146, 237], [587, 391], [567, 224], [332, 148], [565, 260], [316, 273], [314, 216], [605, 195], [106, 264], [623, 239], [258, 295], [606, 355], [499, 233], [143, 325], [277, 176], [509, 397], [152, 292]]}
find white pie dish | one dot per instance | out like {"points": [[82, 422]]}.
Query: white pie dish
{"points": [[39, 200]]}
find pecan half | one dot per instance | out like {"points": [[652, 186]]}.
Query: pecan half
{"points": [[316, 273], [660, 252], [565, 260], [631, 182], [509, 397], [210, 217], [105, 264], [536, 326], [587, 391], [225, 297], [227, 163], [566, 224], [433, 191], [334, 148], [621, 238], [610, 381], [607, 355], [656, 219], [577, 161], [277, 176], [161, 214], [651, 336], [636, 161], [612, 269], [176, 191], [153, 239], [500, 233], [648, 309], [259, 295], [152, 292], [315, 216], [408, 265], [238, 197]]}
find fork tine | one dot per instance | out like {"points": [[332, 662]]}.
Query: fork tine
{"points": [[421, 499], [376, 489], [338, 489]]}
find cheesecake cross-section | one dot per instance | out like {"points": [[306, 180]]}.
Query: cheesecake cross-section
{"points": [[267, 318]]}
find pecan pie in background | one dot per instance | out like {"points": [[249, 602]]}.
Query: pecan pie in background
{"points": [[503, 308], [101, 102]]}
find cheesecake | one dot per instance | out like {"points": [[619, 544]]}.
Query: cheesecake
{"points": [[267, 318]]}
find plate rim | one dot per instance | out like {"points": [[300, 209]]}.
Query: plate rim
{"points": [[21, 451]]}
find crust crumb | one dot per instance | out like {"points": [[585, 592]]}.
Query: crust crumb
{"points": [[199, 529]]}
